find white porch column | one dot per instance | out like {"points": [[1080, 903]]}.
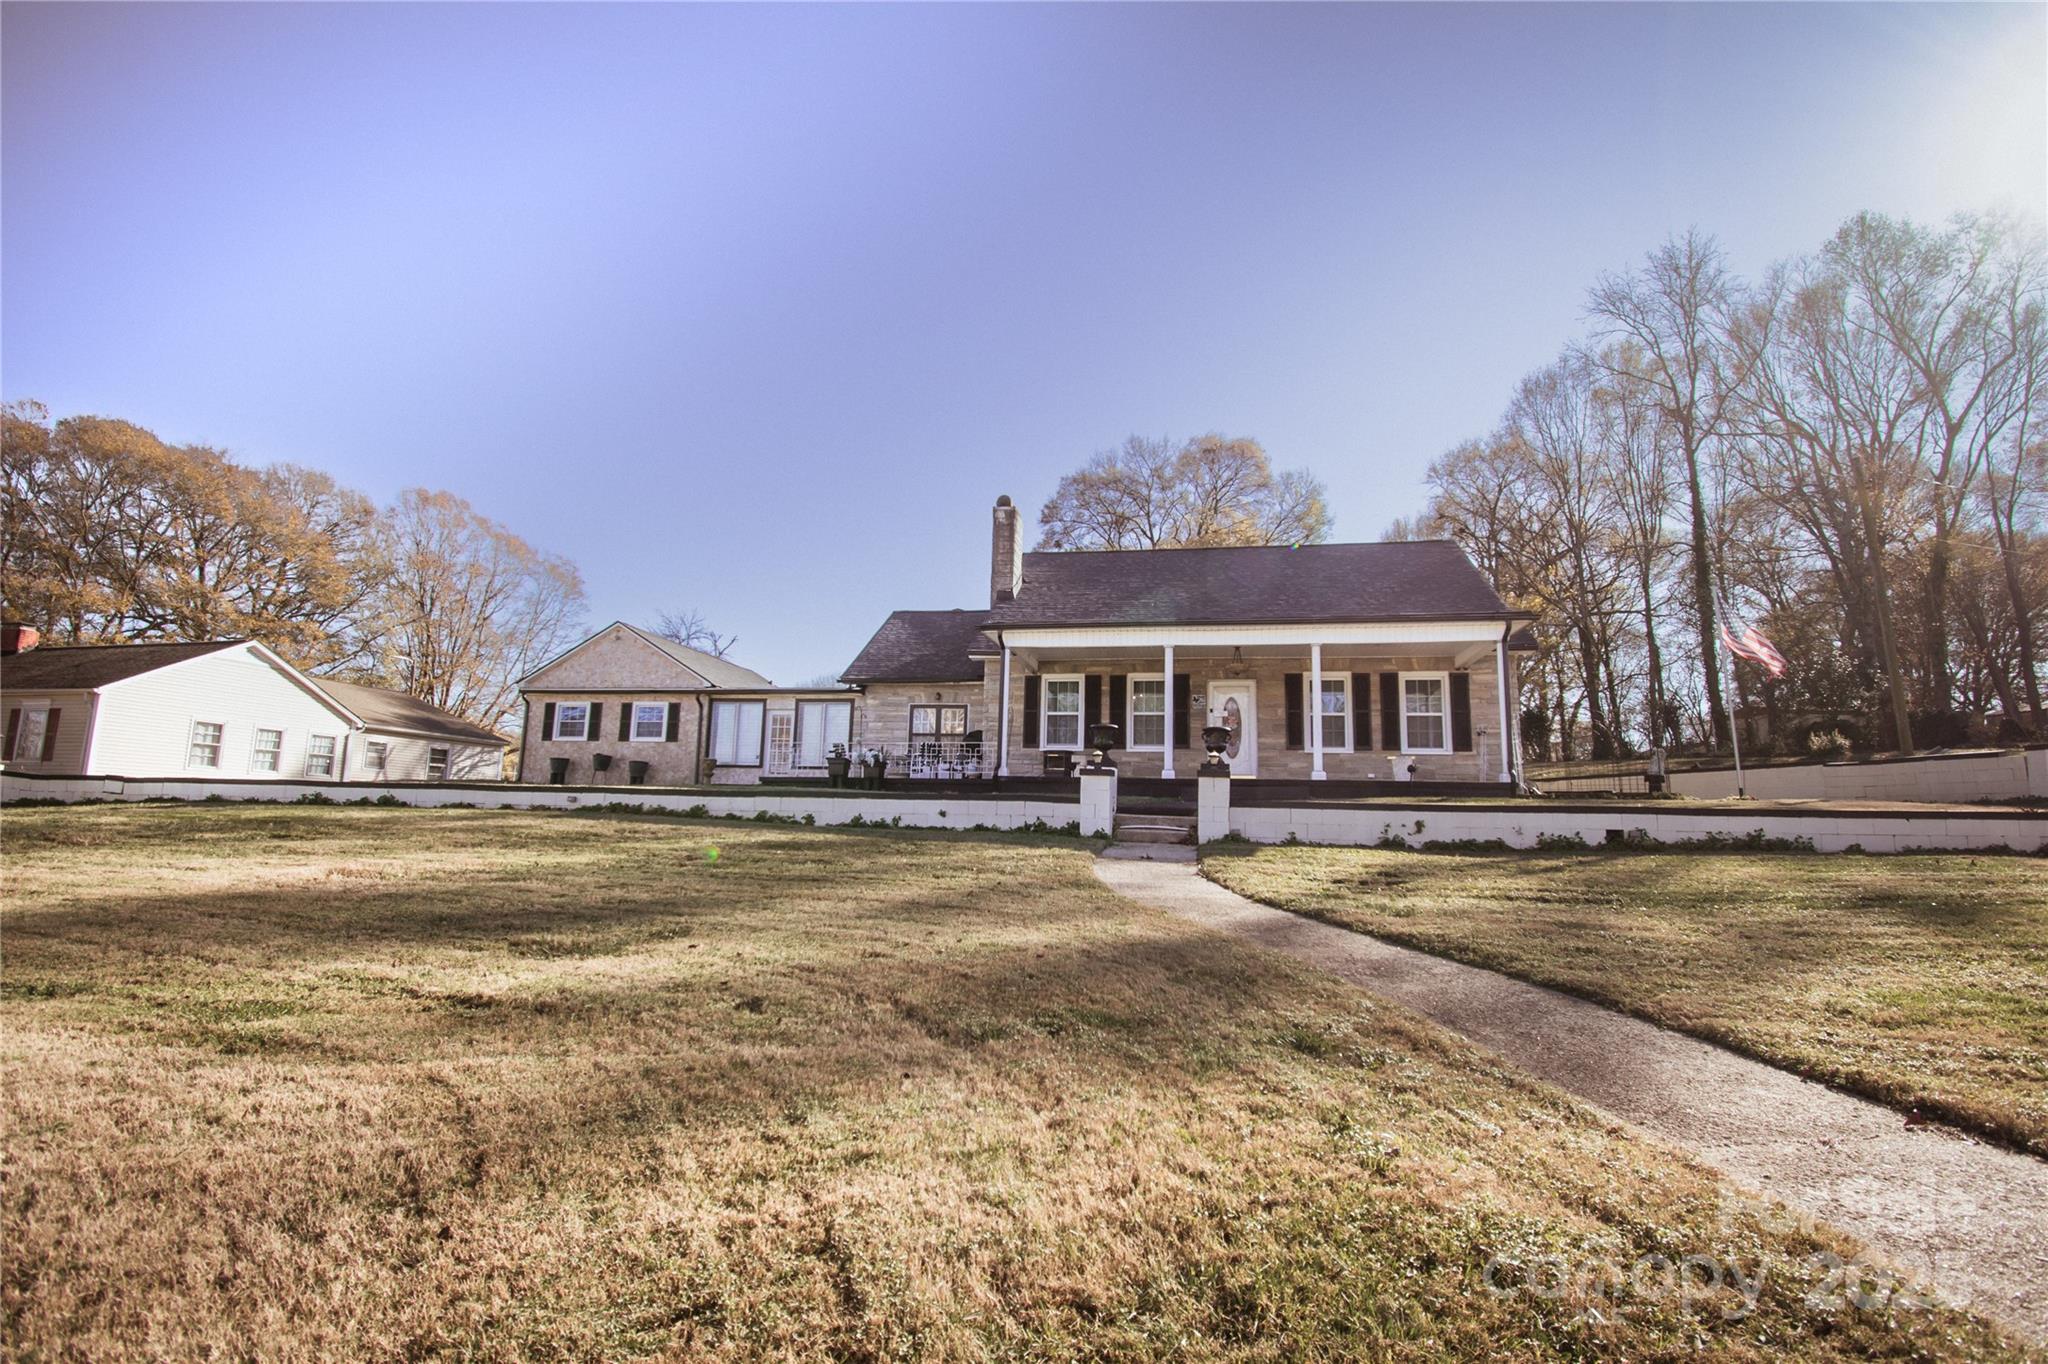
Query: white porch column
{"points": [[1506, 735], [1314, 711], [1003, 731], [1166, 770]]}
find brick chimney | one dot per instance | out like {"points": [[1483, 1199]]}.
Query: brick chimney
{"points": [[1006, 555], [16, 638]]}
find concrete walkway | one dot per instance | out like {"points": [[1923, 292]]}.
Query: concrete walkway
{"points": [[1967, 1220]]}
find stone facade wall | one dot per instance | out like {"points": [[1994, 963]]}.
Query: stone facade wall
{"points": [[612, 661], [1367, 760], [881, 717], [670, 762]]}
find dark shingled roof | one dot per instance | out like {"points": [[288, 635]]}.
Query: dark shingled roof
{"points": [[1251, 585], [922, 646], [80, 667], [381, 709]]}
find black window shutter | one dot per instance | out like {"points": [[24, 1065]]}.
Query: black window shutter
{"points": [[675, 720], [1091, 703], [1361, 711], [1390, 712], [1292, 684], [1461, 712], [547, 721], [625, 721], [13, 729], [594, 730], [1031, 710], [1120, 704], [1183, 693], [50, 733]]}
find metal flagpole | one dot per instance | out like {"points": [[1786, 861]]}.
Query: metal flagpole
{"points": [[1728, 677]]}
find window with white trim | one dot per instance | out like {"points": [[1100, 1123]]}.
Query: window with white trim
{"points": [[269, 747], [938, 723], [320, 755], [572, 720], [437, 764], [1334, 714], [205, 747], [28, 739], [1425, 713], [650, 722], [736, 732], [1148, 712], [822, 726], [1060, 712], [377, 754]]}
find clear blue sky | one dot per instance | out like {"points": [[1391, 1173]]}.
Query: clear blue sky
{"points": [[757, 309]]}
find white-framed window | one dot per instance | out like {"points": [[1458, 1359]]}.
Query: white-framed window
{"points": [[28, 738], [269, 748], [1148, 712], [1059, 700], [377, 754], [1333, 713], [822, 726], [1425, 712], [736, 732], [572, 720], [205, 747], [437, 764], [650, 722], [320, 756]]}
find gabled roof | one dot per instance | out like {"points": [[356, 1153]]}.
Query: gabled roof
{"points": [[922, 646], [716, 671], [81, 667], [381, 709], [1251, 585]]}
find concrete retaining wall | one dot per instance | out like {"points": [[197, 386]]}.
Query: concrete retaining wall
{"points": [[1945, 778], [1524, 826], [923, 812]]}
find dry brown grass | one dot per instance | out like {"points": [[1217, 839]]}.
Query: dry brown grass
{"points": [[1920, 981], [388, 1084]]}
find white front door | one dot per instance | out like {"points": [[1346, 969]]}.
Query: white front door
{"points": [[1235, 706]]}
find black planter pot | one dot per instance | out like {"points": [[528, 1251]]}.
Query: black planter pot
{"points": [[837, 768], [871, 773], [601, 762], [558, 771], [636, 772]]}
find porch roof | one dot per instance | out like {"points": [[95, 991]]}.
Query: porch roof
{"points": [[1414, 580]]}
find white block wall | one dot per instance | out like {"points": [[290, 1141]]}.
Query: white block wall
{"points": [[1948, 780]]}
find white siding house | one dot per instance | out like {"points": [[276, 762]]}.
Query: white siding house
{"points": [[231, 710]]}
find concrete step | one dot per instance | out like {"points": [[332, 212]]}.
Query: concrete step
{"points": [[1150, 828]]}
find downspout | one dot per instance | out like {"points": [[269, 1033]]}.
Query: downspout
{"points": [[703, 738], [1510, 732]]}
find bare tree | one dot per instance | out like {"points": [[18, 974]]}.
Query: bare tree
{"points": [[1210, 491], [691, 629], [1675, 310], [471, 607]]}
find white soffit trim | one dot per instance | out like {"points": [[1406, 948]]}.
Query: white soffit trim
{"points": [[1486, 632]]}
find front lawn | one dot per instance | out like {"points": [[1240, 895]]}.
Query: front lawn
{"points": [[305, 1083], [1921, 980]]}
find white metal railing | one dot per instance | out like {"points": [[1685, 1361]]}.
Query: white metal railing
{"points": [[918, 759]]}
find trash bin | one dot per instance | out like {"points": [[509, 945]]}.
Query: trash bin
{"points": [[558, 771], [636, 772]]}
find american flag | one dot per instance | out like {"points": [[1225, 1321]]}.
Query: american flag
{"points": [[1750, 643]]}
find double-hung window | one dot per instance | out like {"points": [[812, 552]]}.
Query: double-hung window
{"points": [[1425, 713], [437, 764], [28, 741], [1061, 702], [320, 756], [650, 722], [205, 746], [736, 732], [377, 754], [1334, 714], [1148, 712], [269, 745], [572, 720]]}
